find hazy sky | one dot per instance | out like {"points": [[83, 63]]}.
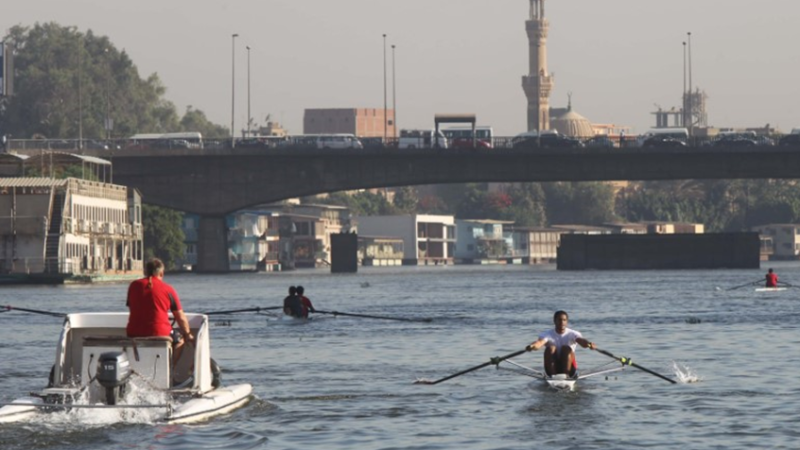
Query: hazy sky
{"points": [[619, 58]]}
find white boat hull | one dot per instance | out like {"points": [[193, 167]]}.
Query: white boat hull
{"points": [[86, 338], [770, 289], [22, 409], [561, 382], [214, 403]]}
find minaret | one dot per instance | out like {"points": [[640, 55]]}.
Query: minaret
{"points": [[538, 83]]}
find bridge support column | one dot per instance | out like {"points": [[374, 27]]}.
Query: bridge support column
{"points": [[212, 245]]}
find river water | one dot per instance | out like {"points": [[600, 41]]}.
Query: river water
{"points": [[348, 383]]}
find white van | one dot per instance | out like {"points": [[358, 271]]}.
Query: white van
{"points": [[421, 139], [328, 141]]}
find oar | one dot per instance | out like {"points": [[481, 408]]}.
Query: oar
{"points": [[234, 311], [404, 319], [744, 285], [627, 362], [35, 311], [492, 362]]}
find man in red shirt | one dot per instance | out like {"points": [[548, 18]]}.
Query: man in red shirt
{"points": [[772, 279], [150, 300], [307, 306]]}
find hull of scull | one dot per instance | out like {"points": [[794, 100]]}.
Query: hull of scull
{"points": [[561, 382]]}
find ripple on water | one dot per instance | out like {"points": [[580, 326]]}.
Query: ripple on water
{"points": [[210, 437]]}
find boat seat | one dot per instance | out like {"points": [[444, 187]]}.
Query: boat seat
{"points": [[124, 340]]}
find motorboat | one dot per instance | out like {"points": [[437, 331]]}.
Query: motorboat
{"points": [[97, 366]]}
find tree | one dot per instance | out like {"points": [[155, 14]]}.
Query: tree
{"points": [[527, 206], [432, 204], [579, 203], [196, 120], [163, 236], [405, 200], [67, 83], [360, 204]]}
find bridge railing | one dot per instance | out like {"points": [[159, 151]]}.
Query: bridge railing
{"points": [[100, 147]]}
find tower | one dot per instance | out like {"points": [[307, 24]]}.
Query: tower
{"points": [[538, 83]]}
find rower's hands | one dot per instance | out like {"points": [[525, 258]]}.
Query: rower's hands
{"points": [[190, 338]]}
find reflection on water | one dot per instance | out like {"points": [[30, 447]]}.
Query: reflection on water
{"points": [[344, 382]]}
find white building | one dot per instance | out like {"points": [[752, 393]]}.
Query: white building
{"points": [[67, 228], [427, 239], [535, 245], [780, 241], [482, 241]]}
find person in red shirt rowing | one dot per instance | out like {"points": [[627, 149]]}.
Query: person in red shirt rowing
{"points": [[150, 300], [307, 306], [772, 279]]}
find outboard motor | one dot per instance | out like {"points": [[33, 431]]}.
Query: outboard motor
{"points": [[113, 373]]}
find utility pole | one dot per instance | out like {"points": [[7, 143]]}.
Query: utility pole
{"points": [[691, 90], [394, 94], [249, 117], [233, 87], [385, 118]]}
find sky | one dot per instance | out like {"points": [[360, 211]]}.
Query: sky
{"points": [[618, 58]]}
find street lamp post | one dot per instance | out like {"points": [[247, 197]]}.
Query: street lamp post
{"points": [[684, 99], [80, 93], [249, 117], [394, 94], [233, 87], [691, 89], [108, 97], [385, 119]]}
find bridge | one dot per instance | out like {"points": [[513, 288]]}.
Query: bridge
{"points": [[215, 182]]}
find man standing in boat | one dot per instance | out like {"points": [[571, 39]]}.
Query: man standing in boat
{"points": [[292, 305], [150, 300], [771, 279], [560, 344], [307, 306]]}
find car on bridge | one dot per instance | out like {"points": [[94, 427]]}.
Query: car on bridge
{"points": [[544, 139], [736, 140], [422, 139], [601, 141], [327, 141], [661, 141], [790, 140]]}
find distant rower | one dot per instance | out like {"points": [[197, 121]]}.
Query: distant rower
{"points": [[772, 279], [292, 305]]}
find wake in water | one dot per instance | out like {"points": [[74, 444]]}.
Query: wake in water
{"points": [[684, 374], [139, 393]]}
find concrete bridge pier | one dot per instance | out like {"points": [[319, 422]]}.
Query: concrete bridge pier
{"points": [[212, 245]]}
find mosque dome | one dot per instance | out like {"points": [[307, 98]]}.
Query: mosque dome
{"points": [[572, 124]]}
